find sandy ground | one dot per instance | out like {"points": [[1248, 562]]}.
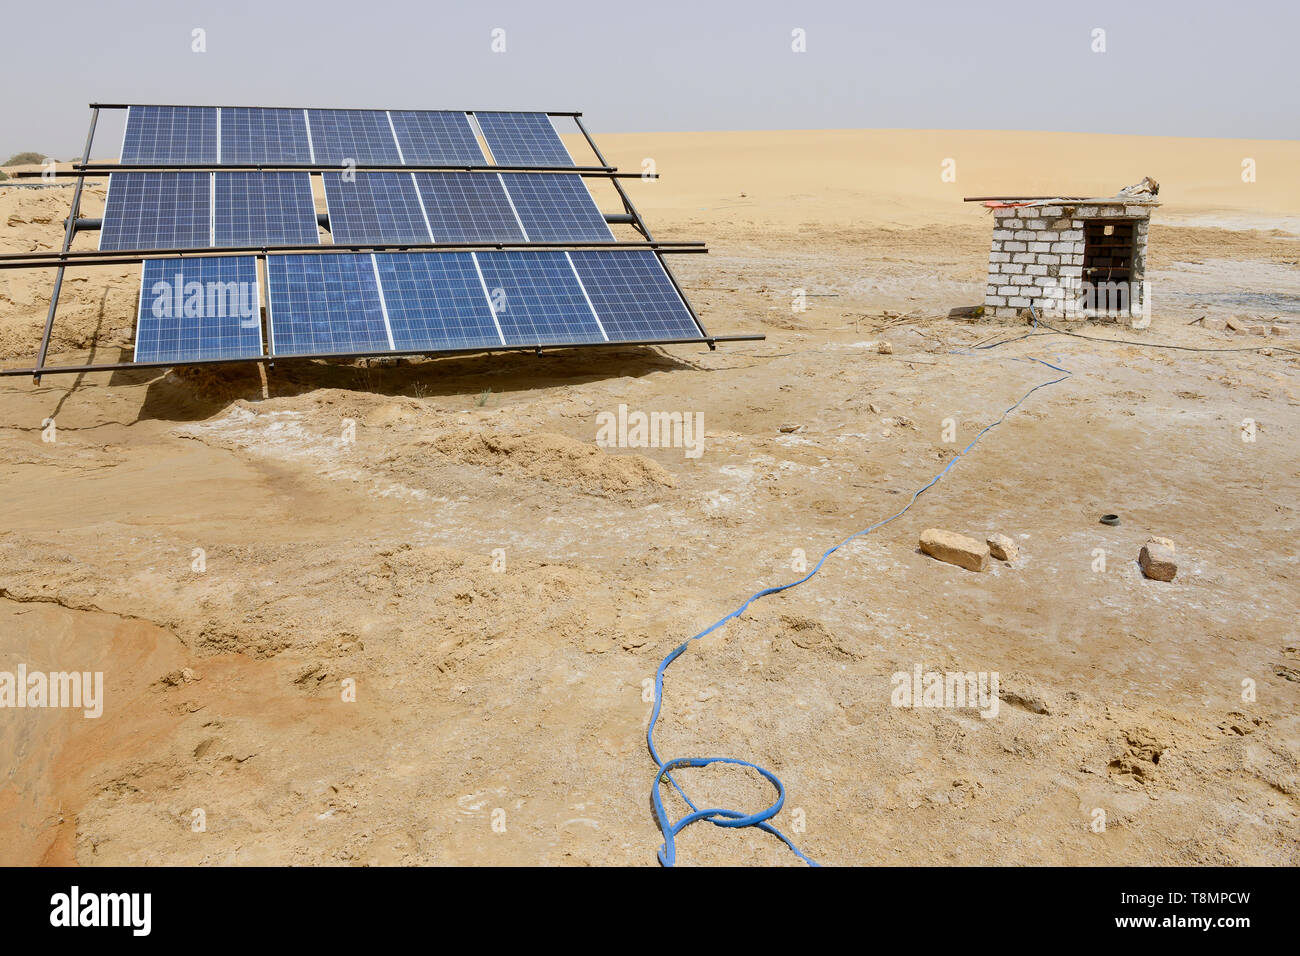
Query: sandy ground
{"points": [[515, 696]]}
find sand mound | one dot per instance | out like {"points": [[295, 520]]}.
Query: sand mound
{"points": [[556, 458]]}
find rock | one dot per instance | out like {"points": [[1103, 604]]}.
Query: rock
{"points": [[1003, 548], [789, 429], [1214, 324], [955, 549], [1236, 324], [884, 348], [1157, 560]]}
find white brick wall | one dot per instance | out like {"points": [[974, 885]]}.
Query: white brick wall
{"points": [[1037, 254]]}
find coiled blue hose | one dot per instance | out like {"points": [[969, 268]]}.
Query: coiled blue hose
{"points": [[722, 817]]}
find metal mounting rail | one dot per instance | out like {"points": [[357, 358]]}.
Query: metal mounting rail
{"points": [[91, 257]]}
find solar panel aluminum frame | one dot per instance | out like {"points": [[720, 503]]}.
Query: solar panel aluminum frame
{"points": [[84, 170]]}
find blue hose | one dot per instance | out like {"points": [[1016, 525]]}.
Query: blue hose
{"points": [[734, 818]]}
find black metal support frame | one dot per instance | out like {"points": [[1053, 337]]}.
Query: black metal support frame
{"points": [[84, 170]]}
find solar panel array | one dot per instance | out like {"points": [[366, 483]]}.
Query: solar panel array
{"points": [[350, 303], [208, 135]]}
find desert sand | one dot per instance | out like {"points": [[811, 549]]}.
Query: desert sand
{"points": [[514, 695]]}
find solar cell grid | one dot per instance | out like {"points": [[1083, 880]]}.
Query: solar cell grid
{"points": [[436, 301], [263, 135], [363, 137], [523, 139], [556, 208], [157, 211], [633, 295], [436, 138], [538, 298], [324, 304], [375, 207], [468, 207], [259, 209], [170, 134], [195, 309]]}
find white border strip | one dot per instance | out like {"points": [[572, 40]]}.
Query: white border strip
{"points": [[599, 324], [423, 212], [510, 199], [383, 303], [393, 129], [270, 323], [311, 147], [487, 295], [212, 209], [218, 135], [125, 126], [481, 139]]}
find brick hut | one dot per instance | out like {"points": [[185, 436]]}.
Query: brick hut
{"points": [[1070, 257]]}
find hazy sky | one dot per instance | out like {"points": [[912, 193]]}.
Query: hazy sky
{"points": [[1191, 68]]}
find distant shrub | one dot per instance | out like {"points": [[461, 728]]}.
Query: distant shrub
{"points": [[25, 159], [3, 175]]}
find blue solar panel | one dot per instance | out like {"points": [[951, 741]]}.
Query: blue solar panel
{"points": [[264, 209], [194, 309], [537, 298], [436, 138], [436, 301], [375, 207], [633, 295], [324, 304], [468, 207], [556, 208], [256, 135], [157, 211], [363, 137], [170, 134], [523, 139]]}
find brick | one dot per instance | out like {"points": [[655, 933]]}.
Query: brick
{"points": [[1040, 247], [1001, 234], [1047, 259], [1008, 290], [1012, 268], [1073, 235], [999, 257], [1072, 271], [1047, 282], [955, 549], [1061, 248], [1024, 235], [1050, 212], [1020, 303], [1025, 257], [1047, 235], [1013, 247], [1022, 280], [1011, 222], [1036, 270], [1035, 224], [994, 300], [1086, 212]]}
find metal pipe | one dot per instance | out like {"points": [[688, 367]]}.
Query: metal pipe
{"points": [[91, 257], [67, 244]]}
